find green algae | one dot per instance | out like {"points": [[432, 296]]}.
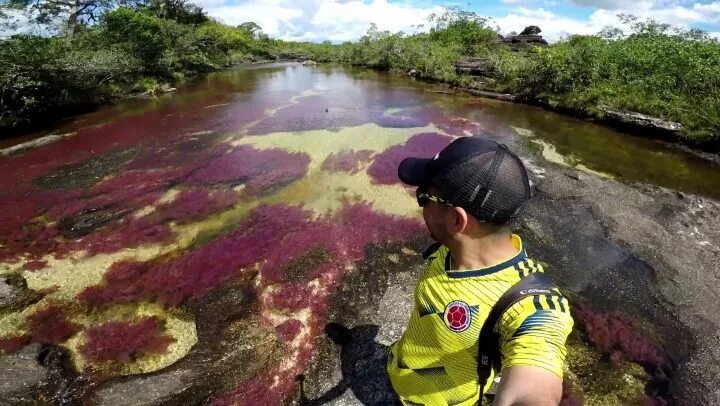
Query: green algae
{"points": [[599, 382]]}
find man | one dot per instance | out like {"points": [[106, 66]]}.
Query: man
{"points": [[470, 193]]}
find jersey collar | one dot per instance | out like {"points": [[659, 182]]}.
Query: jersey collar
{"points": [[520, 256]]}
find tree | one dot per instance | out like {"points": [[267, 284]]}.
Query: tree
{"points": [[73, 11], [180, 11], [252, 28]]}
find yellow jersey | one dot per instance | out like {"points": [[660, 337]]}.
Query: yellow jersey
{"points": [[435, 361]]}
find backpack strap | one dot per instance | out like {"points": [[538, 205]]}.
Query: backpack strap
{"points": [[488, 345]]}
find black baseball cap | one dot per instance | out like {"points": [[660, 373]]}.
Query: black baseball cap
{"points": [[483, 177]]}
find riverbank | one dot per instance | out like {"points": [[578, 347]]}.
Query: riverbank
{"points": [[139, 49], [641, 67]]}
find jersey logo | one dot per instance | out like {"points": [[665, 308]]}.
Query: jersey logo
{"points": [[457, 316]]}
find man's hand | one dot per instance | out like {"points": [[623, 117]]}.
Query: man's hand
{"points": [[523, 385]]}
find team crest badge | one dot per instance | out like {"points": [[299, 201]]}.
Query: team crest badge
{"points": [[457, 316]]}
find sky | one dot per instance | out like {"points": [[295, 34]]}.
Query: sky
{"points": [[347, 20]]}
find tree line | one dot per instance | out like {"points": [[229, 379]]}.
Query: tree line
{"points": [[104, 49]]}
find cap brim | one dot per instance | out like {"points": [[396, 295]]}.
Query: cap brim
{"points": [[412, 171]]}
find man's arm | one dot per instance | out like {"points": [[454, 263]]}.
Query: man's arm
{"points": [[532, 338], [524, 385]]}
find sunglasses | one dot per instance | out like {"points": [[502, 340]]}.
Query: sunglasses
{"points": [[424, 198]]}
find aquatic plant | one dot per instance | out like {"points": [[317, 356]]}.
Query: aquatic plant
{"points": [[129, 232], [259, 170], [346, 161], [34, 265], [195, 204], [384, 168], [287, 331], [615, 334], [50, 326], [276, 234], [9, 345], [122, 341]]}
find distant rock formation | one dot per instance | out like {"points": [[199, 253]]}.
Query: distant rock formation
{"points": [[530, 36]]}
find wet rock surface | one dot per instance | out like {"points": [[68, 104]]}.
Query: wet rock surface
{"points": [[643, 250], [14, 294], [21, 375]]}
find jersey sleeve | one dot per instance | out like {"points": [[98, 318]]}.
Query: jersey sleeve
{"points": [[534, 331]]}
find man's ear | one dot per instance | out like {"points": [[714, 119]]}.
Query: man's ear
{"points": [[459, 220]]}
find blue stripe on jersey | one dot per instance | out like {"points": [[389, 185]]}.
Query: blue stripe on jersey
{"points": [[521, 256], [541, 319]]}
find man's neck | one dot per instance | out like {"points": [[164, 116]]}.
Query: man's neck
{"points": [[481, 252]]}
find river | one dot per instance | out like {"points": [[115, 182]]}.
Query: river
{"points": [[198, 242]]}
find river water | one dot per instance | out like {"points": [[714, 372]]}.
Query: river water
{"points": [[265, 184]]}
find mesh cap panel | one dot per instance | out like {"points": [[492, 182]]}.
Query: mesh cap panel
{"points": [[492, 186]]}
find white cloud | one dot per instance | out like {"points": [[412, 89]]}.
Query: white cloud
{"points": [[335, 20], [273, 16], [348, 20], [555, 26]]}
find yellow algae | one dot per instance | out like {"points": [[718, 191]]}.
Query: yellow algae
{"points": [[178, 324], [549, 152], [188, 234], [318, 191], [8, 268], [319, 144], [523, 131], [594, 172], [13, 324], [73, 274]]}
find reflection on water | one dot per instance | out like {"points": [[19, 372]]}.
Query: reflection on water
{"points": [[272, 180]]}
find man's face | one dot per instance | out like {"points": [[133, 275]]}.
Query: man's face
{"points": [[435, 216]]}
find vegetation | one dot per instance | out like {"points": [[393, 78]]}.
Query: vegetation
{"points": [[132, 48], [648, 67], [109, 48]]}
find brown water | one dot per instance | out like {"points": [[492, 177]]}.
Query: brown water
{"points": [[274, 179]]}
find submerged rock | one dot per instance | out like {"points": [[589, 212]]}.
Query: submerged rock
{"points": [[39, 142], [641, 120], [21, 375]]}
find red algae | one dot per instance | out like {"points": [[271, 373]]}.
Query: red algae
{"points": [[196, 204], [346, 161], [11, 344], [123, 342], [276, 234], [34, 265], [50, 326], [614, 334], [269, 388], [288, 330], [129, 232], [259, 170], [384, 168]]}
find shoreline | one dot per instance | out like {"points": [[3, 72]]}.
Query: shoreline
{"points": [[709, 150]]}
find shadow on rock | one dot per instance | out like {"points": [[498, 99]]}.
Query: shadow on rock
{"points": [[363, 363]]}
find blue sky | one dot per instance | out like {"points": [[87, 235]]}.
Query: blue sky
{"points": [[343, 20]]}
